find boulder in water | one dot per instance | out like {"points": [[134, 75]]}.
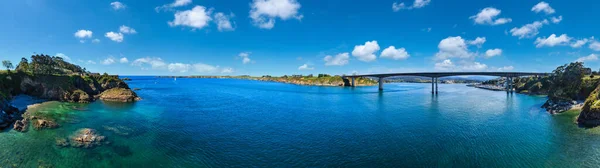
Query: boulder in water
{"points": [[119, 95], [21, 125], [39, 124], [86, 138]]}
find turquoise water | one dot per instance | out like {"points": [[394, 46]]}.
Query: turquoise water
{"points": [[240, 123]]}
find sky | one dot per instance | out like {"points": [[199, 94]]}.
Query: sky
{"points": [[277, 37]]}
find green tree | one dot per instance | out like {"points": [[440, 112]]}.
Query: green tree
{"points": [[23, 65], [565, 81], [7, 64]]}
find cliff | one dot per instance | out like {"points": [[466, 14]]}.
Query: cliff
{"points": [[590, 113], [67, 88]]}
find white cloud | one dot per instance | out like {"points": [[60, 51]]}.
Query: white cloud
{"points": [[445, 65], [543, 6], [591, 57], [196, 18], [579, 43], [117, 5], [493, 52], [339, 60], [393, 53], [417, 4], [556, 20], [245, 57], [64, 57], [223, 21], [156, 63], [205, 68], [477, 42], [595, 46], [177, 3], [264, 12], [83, 34], [488, 16], [528, 30], [127, 30], [227, 70], [96, 41], [474, 66], [552, 41], [366, 52], [90, 62], [453, 47], [179, 67], [123, 60], [117, 37], [305, 67], [108, 61], [506, 68]]}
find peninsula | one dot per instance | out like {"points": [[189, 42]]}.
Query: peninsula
{"points": [[319, 80], [52, 78]]}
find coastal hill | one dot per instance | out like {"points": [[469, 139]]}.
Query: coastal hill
{"points": [[52, 78], [319, 80]]}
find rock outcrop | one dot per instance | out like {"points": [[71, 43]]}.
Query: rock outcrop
{"points": [[21, 125], [119, 95], [86, 138], [590, 113], [39, 124]]}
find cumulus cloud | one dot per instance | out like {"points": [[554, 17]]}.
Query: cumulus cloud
{"points": [[456, 47], [117, 37], [493, 52], [223, 21], [528, 30], [123, 60], [177, 3], [474, 66], [108, 61], [305, 67], [556, 20], [127, 30], [64, 57], [245, 57], [366, 52], [117, 5], [591, 57], [477, 42], [227, 70], [595, 46], [264, 12], [154, 62], [552, 41], [543, 7], [337, 60], [90, 62], [395, 54], [417, 4], [179, 67], [205, 68], [196, 18], [579, 43], [506, 68], [83, 34], [445, 65], [488, 16]]}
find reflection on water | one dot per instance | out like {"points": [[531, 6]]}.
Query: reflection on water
{"points": [[225, 123]]}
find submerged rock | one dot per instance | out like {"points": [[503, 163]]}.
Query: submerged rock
{"points": [[21, 125], [119, 130], [86, 138], [39, 124], [62, 142], [119, 95]]}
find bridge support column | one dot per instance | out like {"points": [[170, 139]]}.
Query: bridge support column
{"points": [[380, 83], [353, 82], [436, 85], [432, 84]]}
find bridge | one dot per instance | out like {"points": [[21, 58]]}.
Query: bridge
{"points": [[435, 75]]}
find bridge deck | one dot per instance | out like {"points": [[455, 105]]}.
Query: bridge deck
{"points": [[446, 74]]}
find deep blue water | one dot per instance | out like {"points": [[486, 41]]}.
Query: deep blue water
{"points": [[241, 123]]}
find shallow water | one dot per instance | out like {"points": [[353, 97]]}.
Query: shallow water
{"points": [[240, 123]]}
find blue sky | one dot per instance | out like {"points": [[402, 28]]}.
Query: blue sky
{"points": [[276, 37]]}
